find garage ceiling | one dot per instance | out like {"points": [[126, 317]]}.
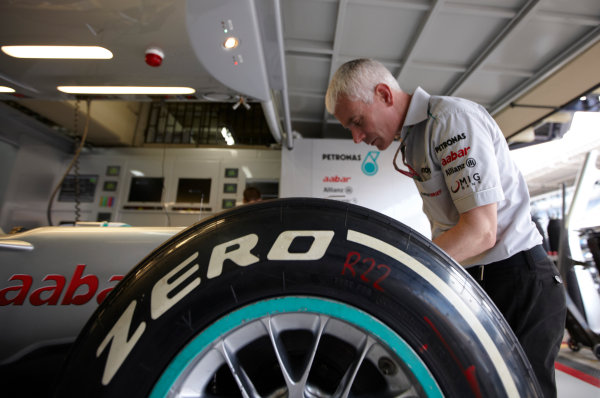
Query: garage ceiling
{"points": [[523, 60]]}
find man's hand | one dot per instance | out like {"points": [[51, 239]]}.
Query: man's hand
{"points": [[474, 233]]}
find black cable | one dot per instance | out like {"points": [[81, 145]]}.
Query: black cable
{"points": [[163, 203], [75, 158], [77, 191], [164, 190], [76, 169]]}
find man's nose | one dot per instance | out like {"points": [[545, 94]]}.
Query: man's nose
{"points": [[357, 135]]}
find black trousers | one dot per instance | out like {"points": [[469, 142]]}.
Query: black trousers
{"points": [[528, 290]]}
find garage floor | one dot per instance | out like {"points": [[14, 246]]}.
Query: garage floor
{"points": [[577, 373]]}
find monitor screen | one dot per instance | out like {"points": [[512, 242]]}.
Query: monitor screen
{"points": [[81, 188], [193, 190], [268, 189], [146, 189]]}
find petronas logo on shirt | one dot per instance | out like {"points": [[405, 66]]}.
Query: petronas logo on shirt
{"points": [[369, 165]]}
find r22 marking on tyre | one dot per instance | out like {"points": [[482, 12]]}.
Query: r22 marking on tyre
{"points": [[374, 270]]}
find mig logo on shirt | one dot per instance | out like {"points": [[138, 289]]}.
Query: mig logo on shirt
{"points": [[466, 182], [455, 155]]}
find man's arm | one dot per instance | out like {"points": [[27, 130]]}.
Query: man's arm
{"points": [[474, 233]]}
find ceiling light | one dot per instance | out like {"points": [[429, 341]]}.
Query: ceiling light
{"points": [[4, 89], [58, 52], [126, 90], [230, 42], [247, 172], [217, 97], [227, 136]]}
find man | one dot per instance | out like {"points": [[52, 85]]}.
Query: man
{"points": [[473, 195], [251, 194]]}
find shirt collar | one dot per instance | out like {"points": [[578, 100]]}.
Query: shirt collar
{"points": [[417, 110]]}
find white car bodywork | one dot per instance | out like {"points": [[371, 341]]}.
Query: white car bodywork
{"points": [[52, 279]]}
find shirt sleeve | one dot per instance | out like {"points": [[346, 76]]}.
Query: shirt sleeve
{"points": [[463, 146]]}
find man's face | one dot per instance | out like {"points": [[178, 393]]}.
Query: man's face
{"points": [[372, 123]]}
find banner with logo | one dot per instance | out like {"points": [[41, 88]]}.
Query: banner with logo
{"points": [[354, 173]]}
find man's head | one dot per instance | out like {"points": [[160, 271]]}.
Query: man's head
{"points": [[365, 97], [252, 194]]}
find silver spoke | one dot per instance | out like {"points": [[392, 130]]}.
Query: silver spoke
{"points": [[346, 383], [317, 333], [243, 381], [296, 387]]}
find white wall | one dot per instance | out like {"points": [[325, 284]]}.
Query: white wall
{"points": [[32, 154], [355, 173], [171, 164], [8, 154]]}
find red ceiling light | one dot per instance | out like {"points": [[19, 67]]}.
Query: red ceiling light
{"points": [[154, 56]]}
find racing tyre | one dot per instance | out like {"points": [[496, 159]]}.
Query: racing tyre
{"points": [[297, 298]]}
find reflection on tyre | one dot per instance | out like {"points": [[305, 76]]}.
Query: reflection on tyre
{"points": [[298, 298]]}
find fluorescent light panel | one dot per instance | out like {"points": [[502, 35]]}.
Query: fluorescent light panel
{"points": [[125, 90], [227, 136], [58, 52]]}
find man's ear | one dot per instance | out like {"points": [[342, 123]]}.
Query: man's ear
{"points": [[384, 93]]}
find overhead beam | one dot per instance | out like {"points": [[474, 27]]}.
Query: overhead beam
{"points": [[524, 14], [287, 122], [417, 38], [577, 48], [339, 28], [555, 86]]}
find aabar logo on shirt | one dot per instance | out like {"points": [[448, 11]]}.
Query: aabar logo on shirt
{"points": [[455, 155], [449, 142]]}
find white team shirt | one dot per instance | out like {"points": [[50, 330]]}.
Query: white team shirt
{"points": [[463, 162]]}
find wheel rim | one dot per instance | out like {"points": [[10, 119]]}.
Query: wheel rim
{"points": [[297, 347]]}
